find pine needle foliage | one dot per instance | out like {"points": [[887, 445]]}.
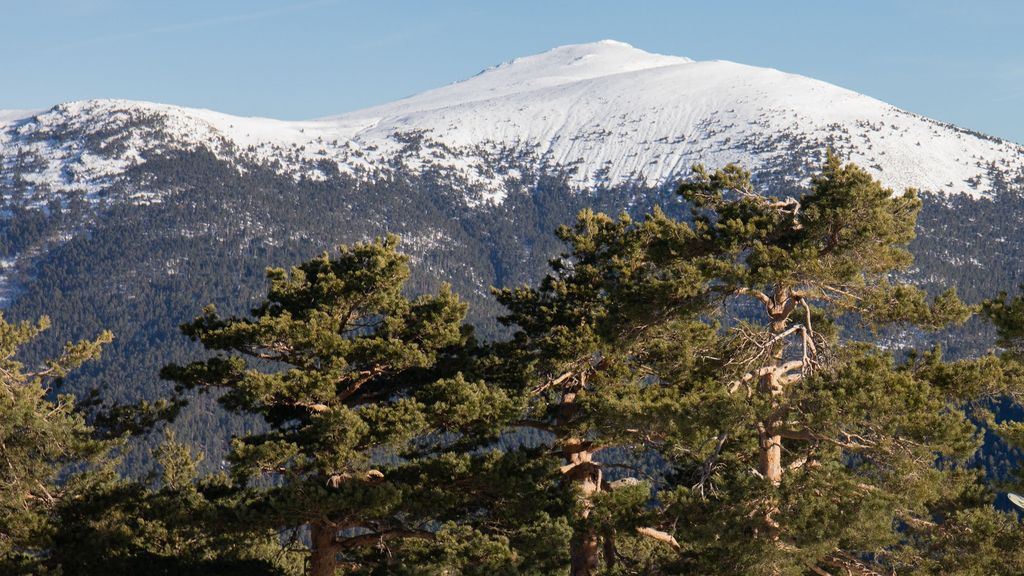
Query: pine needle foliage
{"points": [[723, 346], [375, 447]]}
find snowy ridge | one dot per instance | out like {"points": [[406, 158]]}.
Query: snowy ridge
{"points": [[603, 114]]}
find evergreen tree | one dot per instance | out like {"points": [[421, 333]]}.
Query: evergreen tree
{"points": [[64, 507], [578, 359], [371, 444], [171, 523], [716, 344], [48, 449]]}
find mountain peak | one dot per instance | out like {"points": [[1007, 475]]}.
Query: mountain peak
{"points": [[560, 66], [589, 60], [599, 114]]}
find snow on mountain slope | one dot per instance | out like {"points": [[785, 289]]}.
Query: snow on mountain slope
{"points": [[603, 114]]}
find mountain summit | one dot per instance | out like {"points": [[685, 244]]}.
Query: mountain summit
{"points": [[130, 216], [602, 114]]}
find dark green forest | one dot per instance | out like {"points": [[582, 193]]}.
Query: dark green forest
{"points": [[731, 377], [139, 270]]}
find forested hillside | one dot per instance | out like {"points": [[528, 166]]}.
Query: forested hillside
{"points": [[122, 215], [746, 388], [139, 269]]}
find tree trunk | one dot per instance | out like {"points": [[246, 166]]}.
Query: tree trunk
{"points": [[770, 464], [585, 476], [323, 557], [583, 553], [770, 443], [609, 551]]}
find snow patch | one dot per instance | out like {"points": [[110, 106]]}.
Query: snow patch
{"points": [[606, 114]]}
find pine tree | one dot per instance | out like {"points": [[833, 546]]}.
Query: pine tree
{"points": [[728, 345], [46, 444], [65, 508], [577, 359], [172, 522], [371, 444]]}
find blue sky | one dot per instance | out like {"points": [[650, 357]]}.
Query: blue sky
{"points": [[957, 61]]}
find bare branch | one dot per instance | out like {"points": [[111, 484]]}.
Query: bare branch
{"points": [[827, 288], [749, 376], [553, 382], [370, 477], [365, 376], [789, 366], [798, 463], [379, 538], [847, 440], [756, 294], [777, 373], [852, 565], [708, 466], [660, 536]]}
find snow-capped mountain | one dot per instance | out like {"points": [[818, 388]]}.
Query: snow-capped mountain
{"points": [[602, 114], [131, 216]]}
